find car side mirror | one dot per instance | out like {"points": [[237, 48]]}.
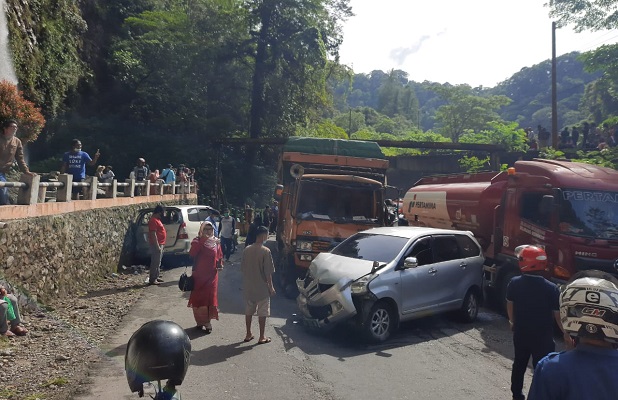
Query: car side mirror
{"points": [[410, 262]]}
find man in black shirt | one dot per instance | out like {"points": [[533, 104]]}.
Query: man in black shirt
{"points": [[532, 307]]}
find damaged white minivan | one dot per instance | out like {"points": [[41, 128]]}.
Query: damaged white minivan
{"points": [[383, 276]]}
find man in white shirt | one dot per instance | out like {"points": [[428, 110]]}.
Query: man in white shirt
{"points": [[227, 225]]}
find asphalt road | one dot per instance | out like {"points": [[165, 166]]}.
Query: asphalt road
{"points": [[431, 358]]}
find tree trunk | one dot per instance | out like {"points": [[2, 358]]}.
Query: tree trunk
{"points": [[259, 73]]}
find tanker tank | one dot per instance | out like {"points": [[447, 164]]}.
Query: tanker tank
{"points": [[462, 202]]}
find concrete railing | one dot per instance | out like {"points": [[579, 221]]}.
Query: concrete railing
{"points": [[33, 191]]}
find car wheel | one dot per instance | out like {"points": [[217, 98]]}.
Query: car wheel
{"points": [[380, 322], [470, 307]]}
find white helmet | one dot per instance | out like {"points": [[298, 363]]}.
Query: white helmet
{"points": [[589, 306]]}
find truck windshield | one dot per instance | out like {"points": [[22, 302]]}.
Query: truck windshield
{"points": [[589, 213], [336, 201], [365, 246]]}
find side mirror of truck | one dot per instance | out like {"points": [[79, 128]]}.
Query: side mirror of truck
{"points": [[410, 262]]}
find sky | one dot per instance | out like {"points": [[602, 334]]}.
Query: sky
{"points": [[478, 42]]}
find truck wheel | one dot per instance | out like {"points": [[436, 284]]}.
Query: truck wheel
{"points": [[379, 323], [470, 307]]}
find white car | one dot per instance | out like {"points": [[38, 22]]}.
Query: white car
{"points": [[383, 276], [182, 224]]}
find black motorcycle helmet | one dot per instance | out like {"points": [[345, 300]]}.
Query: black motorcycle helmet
{"points": [[158, 350]]}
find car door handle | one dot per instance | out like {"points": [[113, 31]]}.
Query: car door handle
{"points": [[463, 265], [432, 271]]}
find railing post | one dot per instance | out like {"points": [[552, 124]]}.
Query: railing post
{"points": [[30, 194], [147, 182], [129, 190], [42, 194], [161, 187], [173, 187], [64, 193], [112, 192], [94, 187]]}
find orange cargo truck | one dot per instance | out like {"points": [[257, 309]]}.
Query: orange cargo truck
{"points": [[328, 190]]}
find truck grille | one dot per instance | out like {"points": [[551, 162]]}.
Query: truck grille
{"points": [[321, 246]]}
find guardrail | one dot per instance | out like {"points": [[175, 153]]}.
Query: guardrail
{"points": [[33, 191]]}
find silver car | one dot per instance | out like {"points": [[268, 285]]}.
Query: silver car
{"points": [[383, 276]]}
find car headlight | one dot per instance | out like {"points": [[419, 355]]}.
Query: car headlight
{"points": [[360, 285], [304, 246]]}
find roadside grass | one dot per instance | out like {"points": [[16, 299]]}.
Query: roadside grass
{"points": [[60, 381], [35, 396]]}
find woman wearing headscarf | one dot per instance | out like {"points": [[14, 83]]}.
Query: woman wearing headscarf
{"points": [[207, 261]]}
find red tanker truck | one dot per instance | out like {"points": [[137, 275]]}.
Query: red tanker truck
{"points": [[570, 209]]}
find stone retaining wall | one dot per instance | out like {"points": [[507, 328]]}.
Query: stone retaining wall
{"points": [[54, 255]]}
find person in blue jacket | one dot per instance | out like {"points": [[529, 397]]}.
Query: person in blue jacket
{"points": [[589, 313]]}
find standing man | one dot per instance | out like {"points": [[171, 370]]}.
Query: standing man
{"points": [[532, 307], [257, 268], [227, 226], [156, 238], [168, 175], [141, 172], [74, 163], [11, 150], [213, 218], [588, 307]]}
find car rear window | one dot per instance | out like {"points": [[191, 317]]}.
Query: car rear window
{"points": [[197, 214], [371, 247]]}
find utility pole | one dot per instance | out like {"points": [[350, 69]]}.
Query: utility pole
{"points": [[554, 95]]}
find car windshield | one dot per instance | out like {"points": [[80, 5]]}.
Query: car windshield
{"points": [[339, 202], [589, 213], [371, 247]]}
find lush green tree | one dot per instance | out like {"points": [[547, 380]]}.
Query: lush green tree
{"points": [[507, 134], [323, 129], [293, 40], [46, 40], [351, 121], [466, 110], [600, 98], [585, 14]]}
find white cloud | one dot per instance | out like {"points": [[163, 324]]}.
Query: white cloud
{"points": [[479, 42]]}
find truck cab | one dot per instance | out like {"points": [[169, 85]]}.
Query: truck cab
{"points": [[329, 189]]}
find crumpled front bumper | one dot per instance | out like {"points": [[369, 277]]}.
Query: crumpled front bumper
{"points": [[321, 306]]}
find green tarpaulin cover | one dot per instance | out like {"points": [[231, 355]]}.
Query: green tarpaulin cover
{"points": [[341, 147]]}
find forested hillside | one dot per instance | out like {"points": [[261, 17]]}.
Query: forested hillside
{"points": [[164, 79]]}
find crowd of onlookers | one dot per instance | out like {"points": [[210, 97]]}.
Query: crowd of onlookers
{"points": [[74, 163], [587, 136]]}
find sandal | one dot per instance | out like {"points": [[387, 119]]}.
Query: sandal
{"points": [[19, 330], [8, 333]]}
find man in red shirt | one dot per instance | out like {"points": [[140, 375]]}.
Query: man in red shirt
{"points": [[156, 239]]}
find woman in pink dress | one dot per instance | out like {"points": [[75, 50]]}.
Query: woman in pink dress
{"points": [[207, 261]]}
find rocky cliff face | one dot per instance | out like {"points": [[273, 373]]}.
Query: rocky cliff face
{"points": [[56, 256]]}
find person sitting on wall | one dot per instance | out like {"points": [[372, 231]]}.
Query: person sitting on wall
{"points": [[9, 314], [11, 151]]}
